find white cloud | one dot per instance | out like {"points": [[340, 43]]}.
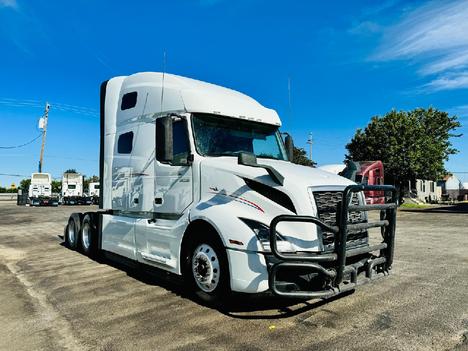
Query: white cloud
{"points": [[9, 3], [434, 35], [447, 81]]}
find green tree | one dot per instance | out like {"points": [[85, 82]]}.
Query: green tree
{"points": [[411, 144], [56, 186], [71, 170], [25, 183], [300, 157]]}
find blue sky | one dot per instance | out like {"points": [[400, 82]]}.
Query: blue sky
{"points": [[347, 61]]}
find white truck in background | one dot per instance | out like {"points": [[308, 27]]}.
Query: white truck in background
{"points": [[72, 190], [40, 190], [93, 192], [196, 180]]}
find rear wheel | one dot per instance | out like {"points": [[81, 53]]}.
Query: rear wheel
{"points": [[72, 231], [206, 269], [88, 235]]}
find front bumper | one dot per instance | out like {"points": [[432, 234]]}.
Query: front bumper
{"points": [[311, 275]]}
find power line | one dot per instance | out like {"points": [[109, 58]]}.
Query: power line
{"points": [[82, 110], [12, 175], [18, 146]]}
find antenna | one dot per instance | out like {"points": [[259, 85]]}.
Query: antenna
{"points": [[163, 74], [289, 99]]}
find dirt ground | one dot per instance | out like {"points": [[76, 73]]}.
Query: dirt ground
{"points": [[52, 298]]}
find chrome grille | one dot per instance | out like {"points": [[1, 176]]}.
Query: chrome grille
{"points": [[327, 203]]}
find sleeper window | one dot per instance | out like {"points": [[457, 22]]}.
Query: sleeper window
{"points": [[129, 100], [125, 143]]}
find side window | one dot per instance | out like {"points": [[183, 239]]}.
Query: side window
{"points": [[129, 100], [181, 143], [125, 143]]}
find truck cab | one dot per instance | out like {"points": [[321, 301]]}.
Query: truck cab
{"points": [[367, 173], [40, 190], [197, 180], [93, 192], [72, 190]]}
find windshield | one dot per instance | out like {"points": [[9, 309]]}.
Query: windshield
{"points": [[223, 136]]}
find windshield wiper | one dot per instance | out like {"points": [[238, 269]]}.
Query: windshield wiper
{"points": [[227, 153], [269, 157]]}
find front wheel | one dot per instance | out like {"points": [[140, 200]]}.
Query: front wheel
{"points": [[207, 270]]}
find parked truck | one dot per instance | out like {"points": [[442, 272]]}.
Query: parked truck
{"points": [[72, 190], [40, 190], [93, 192], [196, 180], [362, 172]]}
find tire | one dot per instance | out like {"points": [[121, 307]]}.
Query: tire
{"points": [[72, 231], [88, 235], [206, 269]]}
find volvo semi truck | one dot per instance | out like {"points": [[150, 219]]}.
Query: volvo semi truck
{"points": [[196, 179], [40, 190], [72, 190]]}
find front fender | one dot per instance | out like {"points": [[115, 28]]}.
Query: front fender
{"points": [[223, 212]]}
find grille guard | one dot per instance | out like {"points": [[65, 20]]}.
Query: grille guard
{"points": [[337, 258]]}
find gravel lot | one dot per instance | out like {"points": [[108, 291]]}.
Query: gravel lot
{"points": [[55, 299]]}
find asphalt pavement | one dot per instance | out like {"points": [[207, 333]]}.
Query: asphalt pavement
{"points": [[53, 298]]}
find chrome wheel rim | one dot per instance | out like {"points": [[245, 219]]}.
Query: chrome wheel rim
{"points": [[71, 232], [205, 268], [86, 238]]}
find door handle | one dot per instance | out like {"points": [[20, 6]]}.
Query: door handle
{"points": [[135, 200], [158, 200]]}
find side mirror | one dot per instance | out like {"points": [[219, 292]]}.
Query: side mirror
{"points": [[164, 139], [246, 159], [288, 142]]}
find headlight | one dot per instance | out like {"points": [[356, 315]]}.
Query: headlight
{"points": [[262, 232]]}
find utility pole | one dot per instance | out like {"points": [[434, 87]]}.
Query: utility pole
{"points": [[44, 133], [309, 141]]}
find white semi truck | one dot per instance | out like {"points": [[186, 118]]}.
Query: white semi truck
{"points": [[196, 180], [40, 190], [72, 190], [93, 192]]}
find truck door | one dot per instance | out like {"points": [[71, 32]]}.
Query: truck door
{"points": [[157, 238], [173, 180]]}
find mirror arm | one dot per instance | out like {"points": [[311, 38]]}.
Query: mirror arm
{"points": [[249, 159]]}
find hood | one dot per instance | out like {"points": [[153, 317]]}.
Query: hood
{"points": [[298, 180], [295, 176], [223, 175]]}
